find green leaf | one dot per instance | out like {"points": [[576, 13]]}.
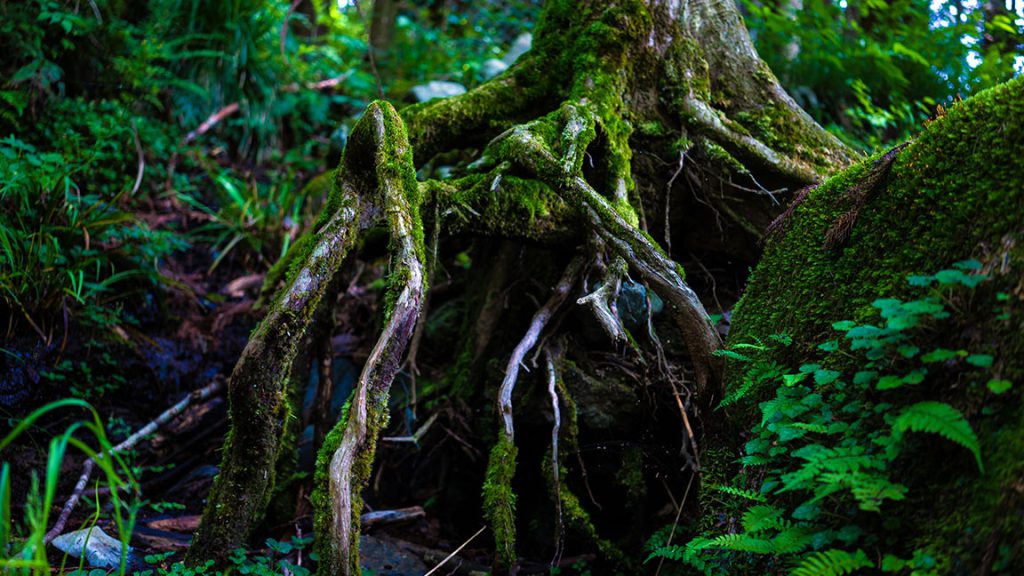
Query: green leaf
{"points": [[888, 382], [999, 386], [887, 304], [980, 360], [967, 265], [942, 419], [830, 346], [950, 276], [793, 379], [915, 376], [864, 377], [908, 351], [825, 377], [920, 280], [892, 563], [844, 325], [939, 355]]}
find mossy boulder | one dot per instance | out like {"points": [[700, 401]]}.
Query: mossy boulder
{"points": [[955, 192]]}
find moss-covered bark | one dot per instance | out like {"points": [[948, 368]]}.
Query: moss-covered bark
{"points": [[376, 181], [955, 192]]}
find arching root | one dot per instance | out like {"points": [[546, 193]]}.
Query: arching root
{"points": [[346, 458], [376, 180]]}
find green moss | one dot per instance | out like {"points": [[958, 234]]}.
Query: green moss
{"points": [[956, 192], [516, 208], [957, 186], [686, 72], [500, 501]]}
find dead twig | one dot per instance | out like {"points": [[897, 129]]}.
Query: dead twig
{"points": [[457, 550], [211, 121], [174, 411]]}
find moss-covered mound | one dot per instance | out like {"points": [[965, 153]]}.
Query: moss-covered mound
{"points": [[955, 193], [958, 185]]}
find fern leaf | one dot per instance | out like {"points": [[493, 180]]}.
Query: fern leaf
{"points": [[942, 419], [740, 492], [743, 543], [762, 517], [791, 541], [832, 563]]}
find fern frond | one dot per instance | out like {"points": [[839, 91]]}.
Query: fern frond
{"points": [[740, 492], [762, 517], [942, 419], [758, 374], [743, 543], [791, 541], [832, 563]]}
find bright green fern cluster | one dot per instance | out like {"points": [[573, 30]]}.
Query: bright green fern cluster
{"points": [[825, 457]]}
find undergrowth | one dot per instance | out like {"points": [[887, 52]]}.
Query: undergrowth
{"points": [[22, 548], [828, 456]]}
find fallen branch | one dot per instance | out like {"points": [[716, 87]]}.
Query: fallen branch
{"points": [[171, 413], [384, 517]]}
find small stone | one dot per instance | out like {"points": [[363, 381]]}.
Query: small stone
{"points": [[101, 551], [437, 89], [492, 67], [519, 47]]}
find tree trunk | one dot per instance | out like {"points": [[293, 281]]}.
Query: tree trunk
{"points": [[627, 121]]}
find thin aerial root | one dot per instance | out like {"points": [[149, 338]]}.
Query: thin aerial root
{"points": [[555, 462], [537, 324]]}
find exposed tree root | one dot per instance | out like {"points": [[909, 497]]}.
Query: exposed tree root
{"points": [[537, 324], [499, 500], [556, 165], [373, 182], [553, 376]]}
